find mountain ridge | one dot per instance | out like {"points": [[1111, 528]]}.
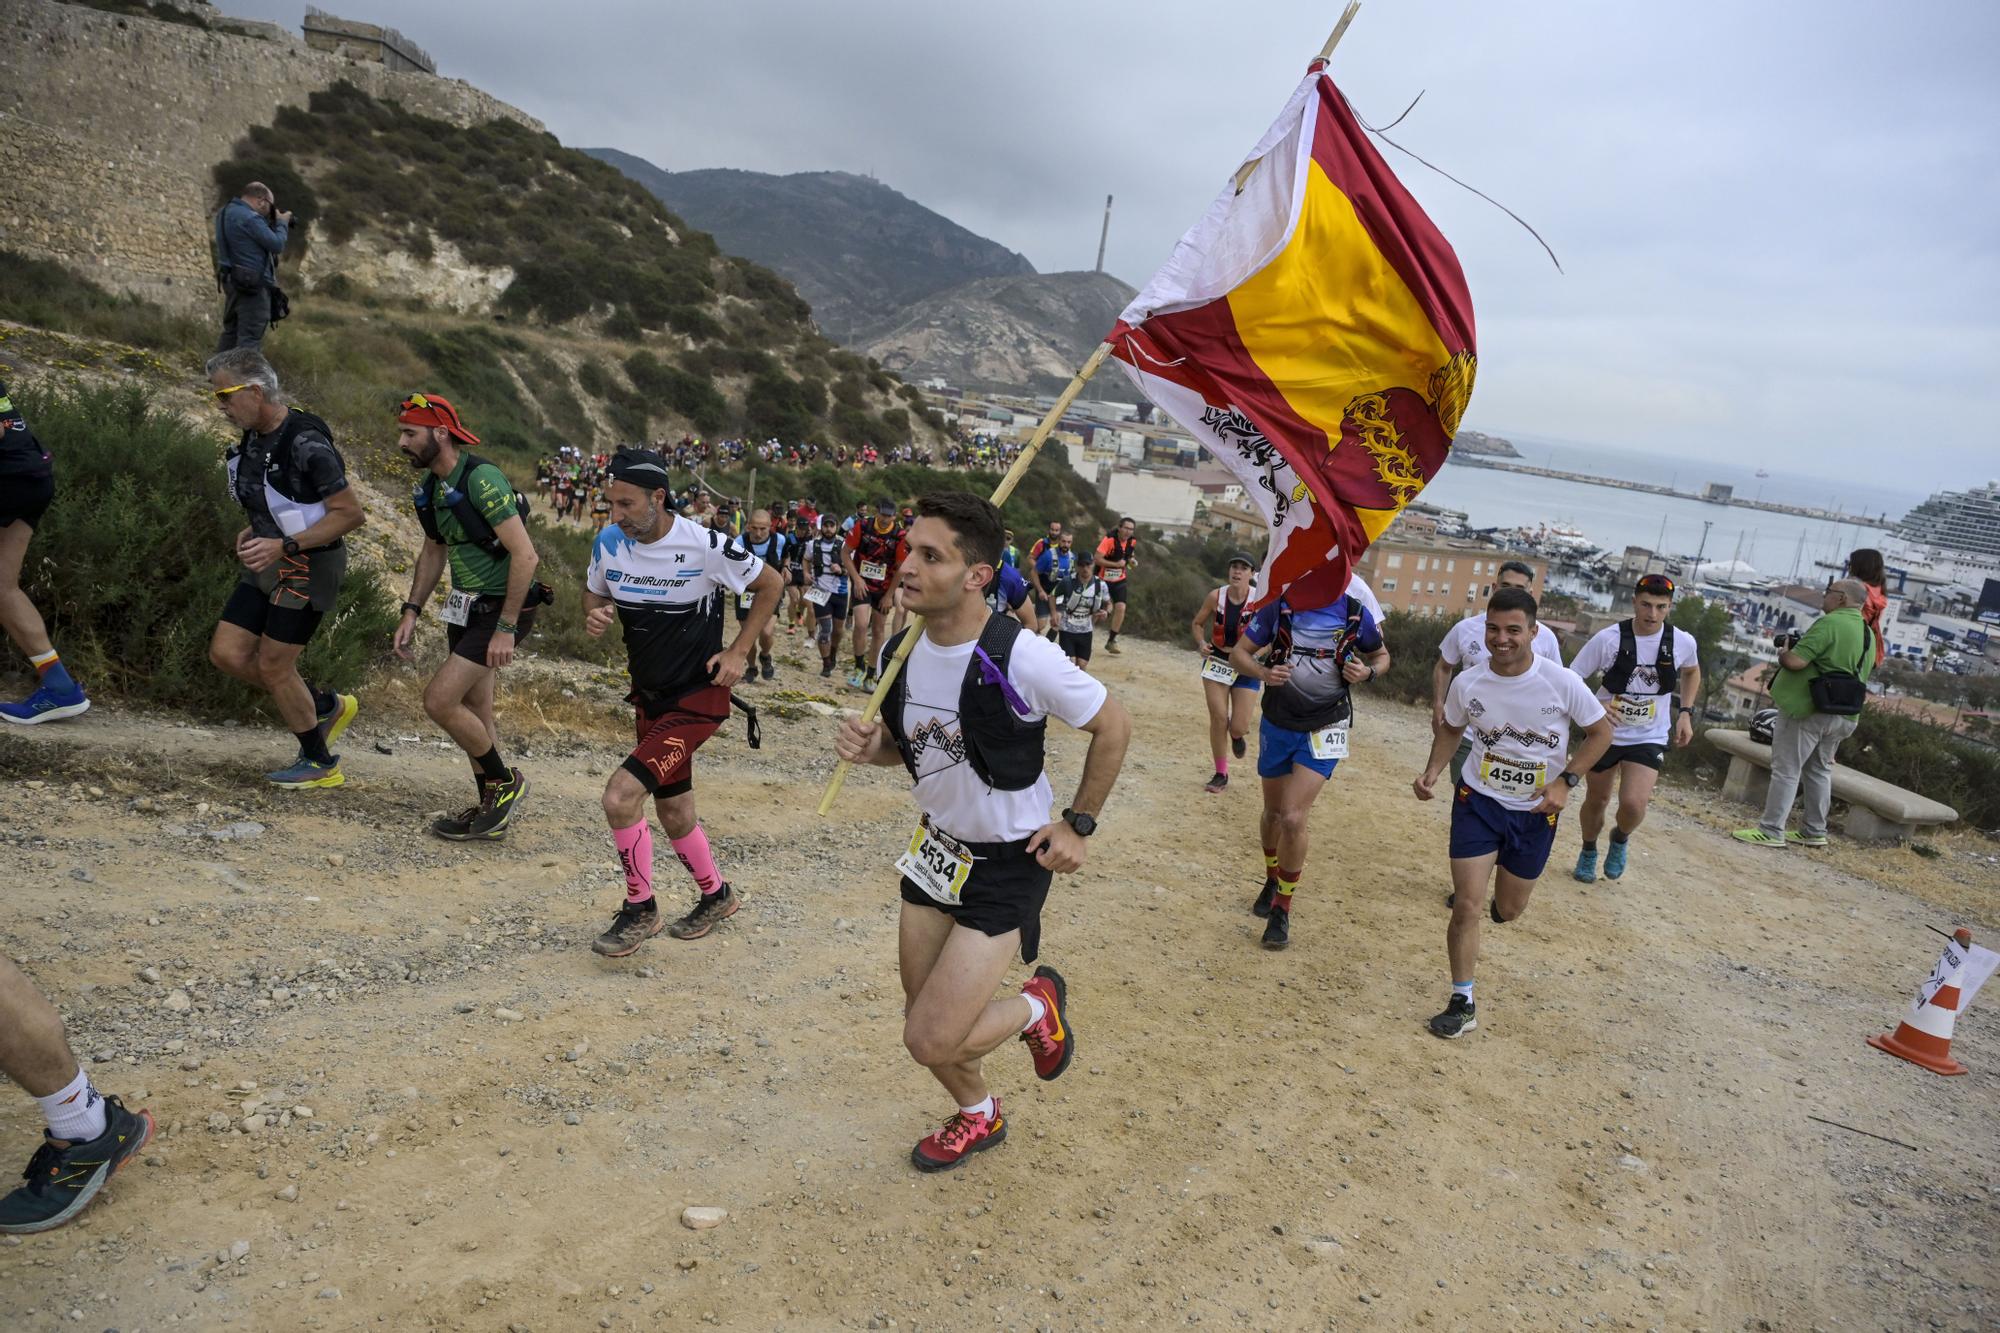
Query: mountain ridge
{"points": [[857, 250]]}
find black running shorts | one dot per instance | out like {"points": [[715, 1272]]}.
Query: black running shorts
{"points": [[1005, 892], [286, 602], [471, 640], [1074, 644], [1652, 756], [1117, 590], [25, 500]]}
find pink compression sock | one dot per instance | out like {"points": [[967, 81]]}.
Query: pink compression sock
{"points": [[700, 862], [1222, 767], [635, 851]]}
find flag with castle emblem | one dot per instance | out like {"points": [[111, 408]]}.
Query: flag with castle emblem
{"points": [[1314, 332]]}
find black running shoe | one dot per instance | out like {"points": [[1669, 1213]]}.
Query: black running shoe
{"points": [[458, 827], [1237, 747], [1458, 1018], [497, 811], [633, 926], [825, 670], [1262, 907], [61, 1182], [1278, 927], [764, 661], [1451, 899], [1216, 782], [708, 913]]}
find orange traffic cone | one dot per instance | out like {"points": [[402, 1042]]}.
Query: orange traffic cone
{"points": [[1924, 1038]]}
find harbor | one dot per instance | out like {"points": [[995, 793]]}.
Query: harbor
{"points": [[1715, 496]]}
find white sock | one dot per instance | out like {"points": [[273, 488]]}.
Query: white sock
{"points": [[1035, 1010], [76, 1112], [984, 1108]]}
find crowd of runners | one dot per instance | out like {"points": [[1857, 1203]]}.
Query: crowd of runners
{"points": [[698, 590]]}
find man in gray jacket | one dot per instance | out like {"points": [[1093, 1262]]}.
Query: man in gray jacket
{"points": [[247, 246]]}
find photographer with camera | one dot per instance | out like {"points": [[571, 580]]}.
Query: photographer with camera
{"points": [[1821, 685], [250, 234]]}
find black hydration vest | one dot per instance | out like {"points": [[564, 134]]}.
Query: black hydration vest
{"points": [[1005, 750], [282, 475], [1284, 706], [478, 532], [1619, 674]]}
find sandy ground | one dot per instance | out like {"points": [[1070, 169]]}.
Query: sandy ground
{"points": [[1246, 1139]]}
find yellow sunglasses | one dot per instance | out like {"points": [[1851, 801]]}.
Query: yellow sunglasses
{"points": [[221, 394]]}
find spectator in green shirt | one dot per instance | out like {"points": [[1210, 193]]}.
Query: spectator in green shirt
{"points": [[1804, 740]]}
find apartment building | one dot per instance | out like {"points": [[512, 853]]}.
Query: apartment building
{"points": [[1439, 578]]}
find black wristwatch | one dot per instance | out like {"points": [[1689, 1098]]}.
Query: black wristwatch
{"points": [[1085, 825], [1570, 779], [414, 609], [291, 546]]}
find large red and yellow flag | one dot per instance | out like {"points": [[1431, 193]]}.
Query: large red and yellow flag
{"points": [[1314, 332]]}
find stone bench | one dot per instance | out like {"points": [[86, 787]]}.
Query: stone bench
{"points": [[1877, 811]]}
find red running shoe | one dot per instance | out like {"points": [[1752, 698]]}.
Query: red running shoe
{"points": [[1050, 1041], [962, 1135]]}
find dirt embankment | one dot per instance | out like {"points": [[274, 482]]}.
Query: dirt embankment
{"points": [[477, 1123]]}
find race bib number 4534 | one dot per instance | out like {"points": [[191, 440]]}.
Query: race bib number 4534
{"points": [[936, 863]]}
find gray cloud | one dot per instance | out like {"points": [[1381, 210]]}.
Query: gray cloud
{"points": [[1778, 220]]}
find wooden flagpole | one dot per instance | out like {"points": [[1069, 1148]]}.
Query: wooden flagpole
{"points": [[1021, 463], [1000, 494]]}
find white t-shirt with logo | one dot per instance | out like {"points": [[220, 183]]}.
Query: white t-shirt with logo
{"points": [[1642, 716], [1079, 610], [1519, 726], [947, 788], [1464, 644]]}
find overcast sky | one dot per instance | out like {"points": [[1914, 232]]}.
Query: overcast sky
{"points": [[1780, 222]]}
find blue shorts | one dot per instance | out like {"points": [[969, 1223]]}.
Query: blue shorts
{"points": [[1279, 750], [1481, 826]]}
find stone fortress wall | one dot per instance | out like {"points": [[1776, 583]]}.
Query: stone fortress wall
{"points": [[110, 125]]}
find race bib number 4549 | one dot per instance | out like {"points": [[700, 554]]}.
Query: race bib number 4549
{"points": [[1515, 777]]}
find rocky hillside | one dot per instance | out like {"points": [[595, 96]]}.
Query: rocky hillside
{"points": [[858, 252], [1018, 332]]}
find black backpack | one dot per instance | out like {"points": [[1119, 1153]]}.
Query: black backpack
{"points": [[1619, 674], [478, 531], [1005, 750]]}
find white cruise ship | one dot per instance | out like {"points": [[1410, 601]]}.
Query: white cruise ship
{"points": [[1954, 535]]}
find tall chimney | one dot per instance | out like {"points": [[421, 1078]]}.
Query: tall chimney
{"points": [[1104, 235]]}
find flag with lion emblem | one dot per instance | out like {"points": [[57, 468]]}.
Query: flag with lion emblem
{"points": [[1314, 332]]}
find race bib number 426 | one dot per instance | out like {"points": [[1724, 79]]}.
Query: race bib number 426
{"points": [[457, 608], [936, 863]]}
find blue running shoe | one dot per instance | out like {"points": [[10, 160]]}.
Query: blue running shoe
{"points": [[46, 705], [1586, 866], [305, 773], [1614, 860]]}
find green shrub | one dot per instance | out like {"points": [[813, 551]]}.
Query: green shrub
{"points": [[132, 564], [1915, 755], [776, 406], [680, 391], [466, 367], [565, 553]]}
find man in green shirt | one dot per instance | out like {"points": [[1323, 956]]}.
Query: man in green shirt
{"points": [[1805, 737], [472, 521]]}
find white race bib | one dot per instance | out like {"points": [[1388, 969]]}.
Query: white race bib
{"points": [[1638, 712], [457, 608], [1219, 671], [818, 596], [1516, 777], [936, 863], [874, 571], [743, 599], [1330, 743]]}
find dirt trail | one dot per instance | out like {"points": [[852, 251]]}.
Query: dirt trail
{"points": [[1250, 1139]]}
